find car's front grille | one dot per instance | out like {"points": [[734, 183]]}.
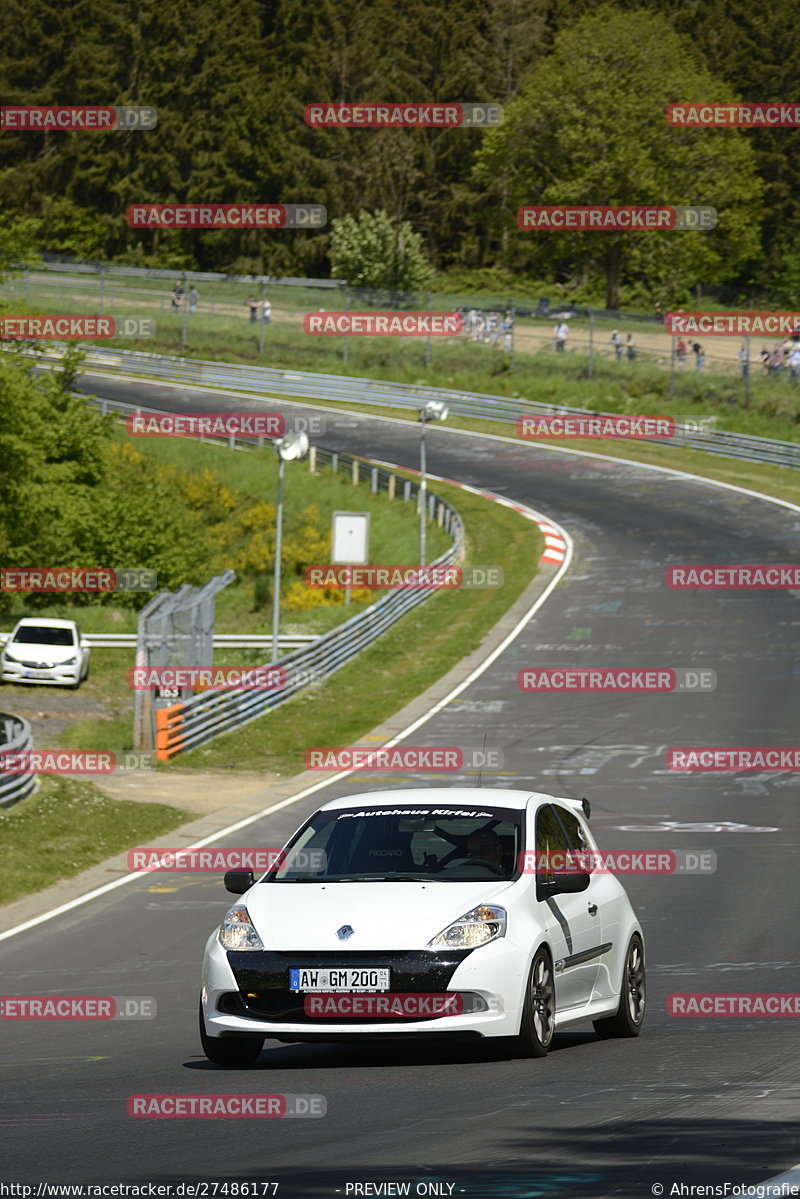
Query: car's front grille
{"points": [[263, 981], [37, 665]]}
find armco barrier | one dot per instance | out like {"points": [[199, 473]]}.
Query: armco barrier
{"points": [[185, 725], [376, 393], [15, 737]]}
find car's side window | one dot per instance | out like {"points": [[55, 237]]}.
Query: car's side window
{"points": [[551, 841], [572, 827], [578, 841]]}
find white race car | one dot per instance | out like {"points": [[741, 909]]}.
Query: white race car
{"points": [[447, 912]]}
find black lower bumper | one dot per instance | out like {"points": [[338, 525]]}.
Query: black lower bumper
{"points": [[263, 981]]}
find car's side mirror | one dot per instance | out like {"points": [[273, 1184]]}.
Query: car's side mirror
{"points": [[571, 884], [84, 644], [238, 881], [561, 884]]}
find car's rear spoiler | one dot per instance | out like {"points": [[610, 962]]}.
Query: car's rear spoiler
{"points": [[581, 805]]}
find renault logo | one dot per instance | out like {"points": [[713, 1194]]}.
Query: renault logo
{"points": [[345, 931]]}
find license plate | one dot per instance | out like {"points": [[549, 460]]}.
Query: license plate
{"points": [[37, 674], [351, 978]]}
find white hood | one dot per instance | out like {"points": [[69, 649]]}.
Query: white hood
{"points": [[57, 654], [384, 916]]}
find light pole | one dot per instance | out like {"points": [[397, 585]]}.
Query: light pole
{"points": [[433, 410], [288, 448]]}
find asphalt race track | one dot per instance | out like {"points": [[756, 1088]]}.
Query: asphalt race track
{"points": [[693, 1101]]}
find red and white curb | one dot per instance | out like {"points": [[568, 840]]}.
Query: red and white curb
{"points": [[555, 546]]}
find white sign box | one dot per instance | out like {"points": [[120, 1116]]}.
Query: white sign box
{"points": [[350, 540]]}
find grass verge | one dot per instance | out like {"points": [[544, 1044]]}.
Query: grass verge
{"points": [[67, 826]]}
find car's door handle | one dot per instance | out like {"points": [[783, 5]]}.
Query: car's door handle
{"points": [[592, 909]]}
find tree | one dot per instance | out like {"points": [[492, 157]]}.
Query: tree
{"points": [[16, 242], [370, 251], [52, 451], [589, 128]]}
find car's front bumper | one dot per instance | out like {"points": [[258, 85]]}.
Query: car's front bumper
{"points": [[248, 993], [53, 676]]}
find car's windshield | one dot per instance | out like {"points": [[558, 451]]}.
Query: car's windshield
{"points": [[405, 843], [43, 635]]}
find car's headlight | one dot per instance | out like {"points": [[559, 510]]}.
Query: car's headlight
{"points": [[482, 924], [237, 931], [7, 657], [69, 661]]}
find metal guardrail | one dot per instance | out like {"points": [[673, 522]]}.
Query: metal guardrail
{"points": [[15, 737], [183, 726], [74, 266], [377, 393], [221, 640], [209, 715]]}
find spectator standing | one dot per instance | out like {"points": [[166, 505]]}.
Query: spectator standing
{"points": [[794, 361], [764, 356], [253, 305], [680, 353], [699, 354], [177, 296], [561, 334], [630, 348], [508, 330], [776, 361], [194, 296], [616, 341], [266, 311]]}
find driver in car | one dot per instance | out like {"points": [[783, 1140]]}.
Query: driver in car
{"points": [[486, 845]]}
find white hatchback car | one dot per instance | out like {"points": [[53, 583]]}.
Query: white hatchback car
{"points": [[43, 650], [460, 912]]}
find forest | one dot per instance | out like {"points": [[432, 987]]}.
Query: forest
{"points": [[583, 88]]}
